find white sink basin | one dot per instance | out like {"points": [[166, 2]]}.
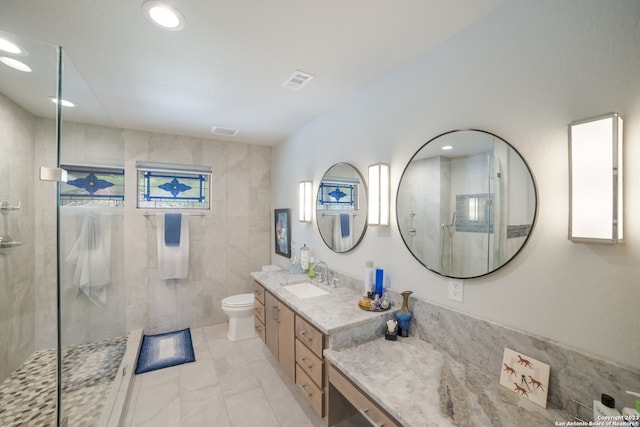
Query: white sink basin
{"points": [[306, 290]]}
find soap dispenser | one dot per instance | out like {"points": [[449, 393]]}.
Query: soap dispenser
{"points": [[604, 408]]}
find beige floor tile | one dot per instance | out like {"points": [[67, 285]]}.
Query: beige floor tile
{"points": [[231, 384], [204, 407], [250, 409]]}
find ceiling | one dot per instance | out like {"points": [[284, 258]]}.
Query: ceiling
{"points": [[227, 66]]}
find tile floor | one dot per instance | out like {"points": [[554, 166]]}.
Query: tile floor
{"points": [[234, 384]]}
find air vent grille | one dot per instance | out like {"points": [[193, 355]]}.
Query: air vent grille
{"points": [[224, 130], [298, 80]]}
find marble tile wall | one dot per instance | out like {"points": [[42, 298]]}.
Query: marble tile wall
{"points": [[472, 341], [17, 293], [227, 243], [574, 375]]}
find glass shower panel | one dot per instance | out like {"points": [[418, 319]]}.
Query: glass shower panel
{"points": [[91, 242], [28, 255]]}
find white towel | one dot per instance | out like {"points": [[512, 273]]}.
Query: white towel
{"points": [[91, 255], [342, 244], [173, 261]]}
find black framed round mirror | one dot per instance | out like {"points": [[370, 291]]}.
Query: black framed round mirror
{"points": [[466, 203], [341, 207]]}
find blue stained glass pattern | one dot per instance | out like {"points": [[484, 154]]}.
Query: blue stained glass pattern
{"points": [[337, 196], [92, 186], [90, 183], [174, 187]]}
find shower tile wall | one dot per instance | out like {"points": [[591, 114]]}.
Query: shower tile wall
{"points": [[17, 293], [226, 244]]}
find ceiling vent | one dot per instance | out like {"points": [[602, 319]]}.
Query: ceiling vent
{"points": [[224, 130], [297, 80]]}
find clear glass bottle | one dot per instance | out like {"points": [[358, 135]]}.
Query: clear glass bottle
{"points": [[304, 258]]}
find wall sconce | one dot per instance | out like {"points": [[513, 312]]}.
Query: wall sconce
{"points": [[378, 212], [304, 212], [595, 180]]}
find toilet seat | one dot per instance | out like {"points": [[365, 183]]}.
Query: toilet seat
{"points": [[238, 301]]}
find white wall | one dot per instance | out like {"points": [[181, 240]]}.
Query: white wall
{"points": [[523, 73]]}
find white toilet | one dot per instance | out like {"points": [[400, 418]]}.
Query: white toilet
{"points": [[239, 310]]}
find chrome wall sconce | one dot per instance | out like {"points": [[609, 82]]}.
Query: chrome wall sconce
{"points": [[378, 212], [595, 180], [304, 199]]}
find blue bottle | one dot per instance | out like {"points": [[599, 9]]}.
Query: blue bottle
{"points": [[379, 281]]}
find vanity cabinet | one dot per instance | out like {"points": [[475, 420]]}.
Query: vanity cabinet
{"points": [[278, 330], [346, 400], [258, 310], [310, 367]]}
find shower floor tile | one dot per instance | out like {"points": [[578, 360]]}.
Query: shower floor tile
{"points": [[28, 395]]}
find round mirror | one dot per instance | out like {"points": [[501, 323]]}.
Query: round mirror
{"points": [[466, 204], [341, 207]]}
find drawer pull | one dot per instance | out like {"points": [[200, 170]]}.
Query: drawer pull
{"points": [[303, 362], [304, 336], [368, 418], [305, 390]]}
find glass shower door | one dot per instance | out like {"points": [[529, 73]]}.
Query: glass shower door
{"points": [[29, 78]]}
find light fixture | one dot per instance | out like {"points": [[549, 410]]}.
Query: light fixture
{"points": [[304, 212], [63, 102], [15, 64], [10, 47], [595, 180], [378, 212], [163, 15]]}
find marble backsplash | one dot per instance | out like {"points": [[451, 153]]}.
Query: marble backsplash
{"points": [[469, 340]]}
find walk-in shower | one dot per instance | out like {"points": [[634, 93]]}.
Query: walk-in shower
{"points": [[52, 336]]}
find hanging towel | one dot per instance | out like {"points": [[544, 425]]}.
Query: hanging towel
{"points": [[341, 244], [91, 255], [344, 224], [173, 261], [172, 229]]}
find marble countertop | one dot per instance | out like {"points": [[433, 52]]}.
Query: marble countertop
{"points": [[420, 385], [330, 313]]}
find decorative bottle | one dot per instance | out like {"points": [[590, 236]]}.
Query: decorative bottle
{"points": [[404, 315]]}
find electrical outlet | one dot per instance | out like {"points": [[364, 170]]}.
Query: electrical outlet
{"points": [[456, 289]]}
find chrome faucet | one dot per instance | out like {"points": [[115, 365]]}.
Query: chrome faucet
{"points": [[323, 277]]}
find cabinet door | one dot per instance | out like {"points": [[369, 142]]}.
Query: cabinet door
{"points": [[271, 323], [286, 340]]}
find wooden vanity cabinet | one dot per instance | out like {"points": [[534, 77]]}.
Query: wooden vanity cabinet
{"points": [[258, 310], [310, 367], [278, 327]]}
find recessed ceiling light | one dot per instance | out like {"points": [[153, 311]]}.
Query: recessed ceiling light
{"points": [[14, 63], [63, 102], [163, 15], [447, 147], [9, 47]]}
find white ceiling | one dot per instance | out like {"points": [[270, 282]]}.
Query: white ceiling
{"points": [[227, 66]]}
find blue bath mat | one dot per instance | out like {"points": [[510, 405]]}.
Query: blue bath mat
{"points": [[164, 350]]}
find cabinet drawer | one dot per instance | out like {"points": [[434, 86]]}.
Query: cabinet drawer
{"points": [[258, 291], [310, 390], [258, 309], [260, 329], [310, 363], [309, 336], [359, 400]]}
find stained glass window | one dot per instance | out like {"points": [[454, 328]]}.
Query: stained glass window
{"points": [[92, 186], [337, 196], [173, 186]]}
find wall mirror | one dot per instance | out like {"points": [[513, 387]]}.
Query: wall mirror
{"points": [[466, 204], [341, 207]]}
